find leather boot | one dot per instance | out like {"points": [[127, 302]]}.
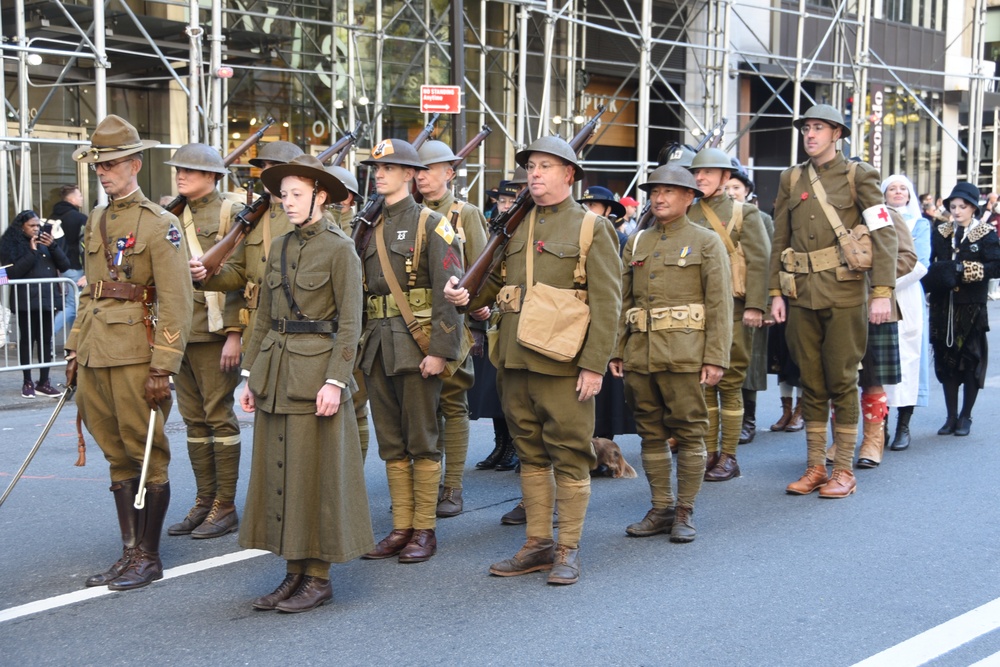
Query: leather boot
{"points": [[749, 430], [221, 520], [565, 566], [422, 545], [872, 445], [841, 484], [796, 423], [683, 528], [145, 566], [508, 459], [656, 521], [312, 592], [449, 502], [814, 478], [711, 460], [902, 438], [285, 590], [194, 517], [537, 554], [724, 470], [786, 415], [515, 517], [490, 461], [128, 523], [390, 545]]}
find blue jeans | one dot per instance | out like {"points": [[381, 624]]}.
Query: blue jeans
{"points": [[67, 315]]}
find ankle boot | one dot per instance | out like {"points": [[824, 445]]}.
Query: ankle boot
{"points": [[872, 445], [128, 523], [749, 430], [221, 520], [902, 439], [194, 517], [786, 415], [796, 423], [491, 460], [508, 460], [145, 566]]}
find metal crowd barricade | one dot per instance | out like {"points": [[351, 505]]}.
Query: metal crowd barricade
{"points": [[18, 321]]}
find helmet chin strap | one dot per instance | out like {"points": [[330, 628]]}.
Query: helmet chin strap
{"points": [[312, 205]]}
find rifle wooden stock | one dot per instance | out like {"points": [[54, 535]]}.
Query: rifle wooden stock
{"points": [[246, 220], [507, 223], [177, 205], [341, 146], [364, 221], [462, 155]]}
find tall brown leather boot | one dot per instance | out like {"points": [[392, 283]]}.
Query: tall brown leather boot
{"points": [[128, 523], [796, 423], [145, 566], [786, 415]]}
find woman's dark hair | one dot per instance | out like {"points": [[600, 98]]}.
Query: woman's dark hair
{"points": [[23, 217]]}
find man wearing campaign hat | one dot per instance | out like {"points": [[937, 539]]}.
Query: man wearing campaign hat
{"points": [[549, 401], [128, 339], [505, 194], [307, 500], [411, 335], [829, 304], [674, 336], [468, 222]]}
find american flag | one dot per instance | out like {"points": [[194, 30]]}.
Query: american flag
{"points": [[3, 275]]}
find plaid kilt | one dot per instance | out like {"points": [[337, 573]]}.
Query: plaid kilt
{"points": [[880, 365]]}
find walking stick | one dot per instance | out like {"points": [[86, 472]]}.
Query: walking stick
{"points": [[66, 395], [140, 497]]}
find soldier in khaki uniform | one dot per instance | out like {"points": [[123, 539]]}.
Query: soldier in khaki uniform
{"points": [[470, 225], [745, 229], [549, 403], [135, 263], [828, 305], [674, 335], [413, 252], [209, 373], [307, 500]]}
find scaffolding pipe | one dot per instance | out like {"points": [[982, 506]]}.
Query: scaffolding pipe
{"points": [[797, 81], [544, 113], [522, 78], [194, 31], [215, 138], [976, 93], [23, 194], [862, 58], [642, 136]]}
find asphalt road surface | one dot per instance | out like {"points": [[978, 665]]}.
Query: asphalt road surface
{"points": [[905, 572]]}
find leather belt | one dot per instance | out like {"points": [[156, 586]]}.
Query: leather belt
{"points": [[824, 259], [286, 326], [380, 307], [106, 289]]}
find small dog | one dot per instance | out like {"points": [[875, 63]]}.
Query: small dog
{"points": [[610, 462]]}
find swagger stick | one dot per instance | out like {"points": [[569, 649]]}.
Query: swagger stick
{"points": [[140, 497]]}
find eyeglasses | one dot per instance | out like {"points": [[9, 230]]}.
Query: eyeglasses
{"points": [[542, 166], [108, 166], [817, 127]]}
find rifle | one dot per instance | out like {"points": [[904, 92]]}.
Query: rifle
{"points": [[712, 139], [462, 154], [338, 151], [177, 205], [246, 220], [507, 222], [364, 221]]}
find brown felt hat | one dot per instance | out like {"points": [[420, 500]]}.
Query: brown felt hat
{"points": [[308, 167], [114, 137]]}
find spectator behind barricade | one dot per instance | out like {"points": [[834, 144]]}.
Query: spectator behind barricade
{"points": [[67, 209], [33, 254]]}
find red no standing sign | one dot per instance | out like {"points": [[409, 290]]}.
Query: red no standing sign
{"points": [[440, 99]]}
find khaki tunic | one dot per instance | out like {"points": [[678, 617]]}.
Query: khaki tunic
{"points": [[552, 427], [390, 357], [307, 496], [109, 336]]}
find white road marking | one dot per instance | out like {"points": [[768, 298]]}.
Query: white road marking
{"points": [[89, 593], [939, 640]]}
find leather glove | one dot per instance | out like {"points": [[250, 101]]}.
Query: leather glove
{"points": [[157, 388], [71, 372]]}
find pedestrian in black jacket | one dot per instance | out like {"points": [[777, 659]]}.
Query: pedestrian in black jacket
{"points": [[67, 209], [33, 255]]}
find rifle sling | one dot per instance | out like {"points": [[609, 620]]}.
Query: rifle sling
{"points": [[285, 284], [397, 293]]}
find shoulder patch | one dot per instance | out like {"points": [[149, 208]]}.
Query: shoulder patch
{"points": [[445, 231], [174, 236]]}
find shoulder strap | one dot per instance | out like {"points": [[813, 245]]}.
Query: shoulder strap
{"points": [[103, 226], [831, 214], [397, 292], [418, 244], [852, 169], [285, 284], [225, 218], [716, 223], [795, 176], [586, 240], [736, 220]]}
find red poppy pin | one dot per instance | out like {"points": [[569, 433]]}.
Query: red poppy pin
{"points": [[541, 246], [638, 263], [130, 241], [805, 196]]}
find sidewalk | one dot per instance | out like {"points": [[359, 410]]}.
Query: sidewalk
{"points": [[11, 381]]}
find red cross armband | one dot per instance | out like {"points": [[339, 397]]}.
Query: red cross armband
{"points": [[876, 217]]}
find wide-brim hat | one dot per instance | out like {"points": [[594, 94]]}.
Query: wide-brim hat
{"points": [[114, 137], [520, 176], [308, 167], [555, 146], [967, 192], [601, 195], [275, 151], [672, 174], [826, 113], [506, 189], [395, 151]]}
